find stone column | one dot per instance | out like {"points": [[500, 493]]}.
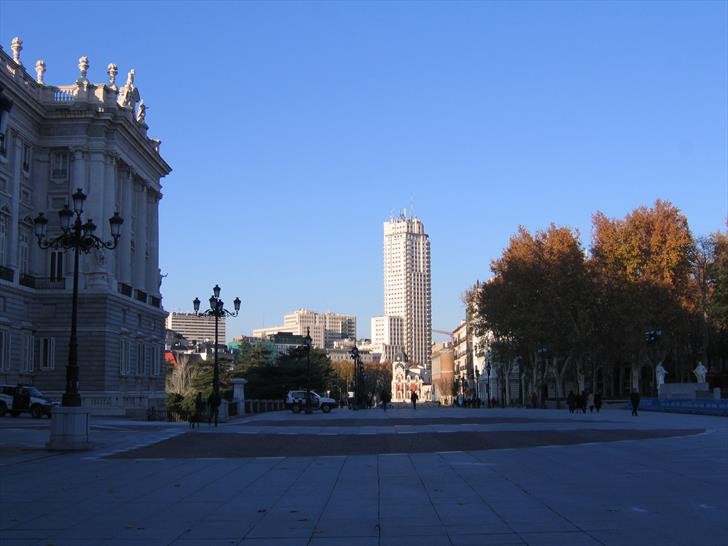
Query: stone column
{"points": [[153, 266], [127, 200], [109, 209], [15, 206], [140, 261], [95, 210]]}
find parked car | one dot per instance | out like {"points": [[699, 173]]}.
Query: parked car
{"points": [[296, 401], [18, 399]]}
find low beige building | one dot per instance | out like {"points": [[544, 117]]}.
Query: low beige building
{"points": [[443, 365]]}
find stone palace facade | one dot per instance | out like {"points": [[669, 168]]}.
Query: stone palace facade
{"points": [[54, 139]]}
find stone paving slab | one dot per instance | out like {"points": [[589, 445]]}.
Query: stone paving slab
{"points": [[227, 445], [337, 421], [667, 490]]}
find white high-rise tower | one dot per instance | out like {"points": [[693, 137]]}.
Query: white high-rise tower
{"points": [[407, 284]]}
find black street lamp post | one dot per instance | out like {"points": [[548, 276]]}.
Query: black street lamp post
{"points": [[358, 378], [477, 386], [652, 337], [217, 310], [487, 381], [307, 344], [80, 237]]}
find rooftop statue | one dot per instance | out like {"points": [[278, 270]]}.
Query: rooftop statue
{"points": [[141, 112], [112, 70], [83, 70], [129, 94]]}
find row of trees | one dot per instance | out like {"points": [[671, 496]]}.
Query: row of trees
{"points": [[646, 292], [270, 376]]}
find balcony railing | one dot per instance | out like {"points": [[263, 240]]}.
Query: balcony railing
{"points": [[42, 283], [6, 273]]}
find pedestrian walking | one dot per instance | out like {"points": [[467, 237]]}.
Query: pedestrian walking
{"points": [[571, 401], [635, 399], [581, 402], [213, 402], [598, 401], [414, 398], [199, 409], [590, 402], [385, 396], [534, 399]]}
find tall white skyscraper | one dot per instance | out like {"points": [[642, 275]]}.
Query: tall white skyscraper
{"points": [[407, 284]]}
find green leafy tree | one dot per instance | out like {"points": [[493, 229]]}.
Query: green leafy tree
{"points": [[268, 381]]}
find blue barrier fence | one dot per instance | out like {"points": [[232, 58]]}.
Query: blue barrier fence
{"points": [[707, 407]]}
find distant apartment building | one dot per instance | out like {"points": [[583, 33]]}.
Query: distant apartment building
{"points": [[341, 352], [407, 284], [388, 337], [53, 140], [463, 351], [196, 328], [324, 328]]}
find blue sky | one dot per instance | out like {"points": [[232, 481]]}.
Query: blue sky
{"points": [[295, 129]]}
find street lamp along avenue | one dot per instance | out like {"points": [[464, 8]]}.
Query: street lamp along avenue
{"points": [[487, 381], [80, 237], [356, 357], [307, 345], [217, 310]]}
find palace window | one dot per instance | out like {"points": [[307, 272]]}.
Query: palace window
{"points": [[23, 253], [3, 236], [47, 353], [59, 165], [132, 357], [26, 360], [26, 157], [156, 361], [147, 359], [56, 265], [124, 350], [4, 349], [139, 359]]}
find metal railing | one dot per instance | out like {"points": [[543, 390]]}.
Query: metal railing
{"points": [[42, 283], [6, 273]]}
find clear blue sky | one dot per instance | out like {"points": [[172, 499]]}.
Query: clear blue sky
{"points": [[294, 129]]}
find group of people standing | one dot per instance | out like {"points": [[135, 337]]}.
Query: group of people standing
{"points": [[584, 400], [212, 408]]}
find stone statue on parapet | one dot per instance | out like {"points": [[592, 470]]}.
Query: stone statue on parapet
{"points": [[700, 372], [112, 70], [82, 81], [129, 94], [141, 112], [661, 373], [40, 68]]}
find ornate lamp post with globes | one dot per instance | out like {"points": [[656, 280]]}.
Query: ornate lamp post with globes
{"points": [[70, 430], [307, 343], [217, 310]]}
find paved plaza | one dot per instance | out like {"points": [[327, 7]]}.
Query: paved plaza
{"points": [[430, 477]]}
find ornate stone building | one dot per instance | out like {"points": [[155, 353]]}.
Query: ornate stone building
{"points": [[406, 379], [54, 139]]}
